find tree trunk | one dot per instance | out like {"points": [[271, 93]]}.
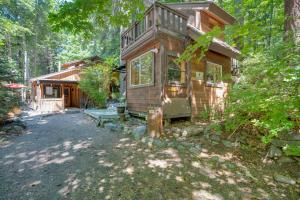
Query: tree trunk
{"points": [[26, 68], [292, 20], [25, 60]]}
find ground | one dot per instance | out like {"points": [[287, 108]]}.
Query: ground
{"points": [[66, 156]]}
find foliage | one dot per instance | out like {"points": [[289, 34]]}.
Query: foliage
{"points": [[79, 16], [96, 81], [292, 150], [200, 45], [267, 96], [8, 97]]}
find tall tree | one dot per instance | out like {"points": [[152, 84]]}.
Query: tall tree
{"points": [[292, 19]]}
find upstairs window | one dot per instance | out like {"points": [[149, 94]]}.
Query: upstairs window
{"points": [[176, 73], [213, 73], [141, 70]]}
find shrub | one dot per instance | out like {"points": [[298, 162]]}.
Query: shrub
{"points": [[267, 95], [96, 80]]}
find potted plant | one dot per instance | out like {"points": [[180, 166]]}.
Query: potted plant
{"points": [[121, 105]]}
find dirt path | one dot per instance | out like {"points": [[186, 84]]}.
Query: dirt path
{"points": [[67, 157]]}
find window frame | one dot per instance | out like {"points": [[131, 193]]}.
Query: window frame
{"points": [[152, 77], [167, 74], [213, 84]]}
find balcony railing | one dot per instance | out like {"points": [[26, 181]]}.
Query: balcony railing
{"points": [[157, 17]]}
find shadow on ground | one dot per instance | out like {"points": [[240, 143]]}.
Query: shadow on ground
{"points": [[67, 157]]}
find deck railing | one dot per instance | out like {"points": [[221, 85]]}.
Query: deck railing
{"points": [[157, 16]]}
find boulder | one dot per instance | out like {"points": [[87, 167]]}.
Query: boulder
{"points": [[284, 179], [274, 152], [215, 138], [195, 150], [112, 126], [139, 132], [227, 143], [282, 143], [158, 143], [285, 159], [192, 131]]}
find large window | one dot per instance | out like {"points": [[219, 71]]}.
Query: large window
{"points": [[176, 73], [141, 70], [52, 91], [213, 73]]}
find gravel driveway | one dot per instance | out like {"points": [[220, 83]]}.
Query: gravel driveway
{"points": [[66, 156]]}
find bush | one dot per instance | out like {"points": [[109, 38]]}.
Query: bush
{"points": [[96, 80], [267, 95]]}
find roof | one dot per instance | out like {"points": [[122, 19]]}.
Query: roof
{"points": [[206, 6], [217, 45], [49, 76]]}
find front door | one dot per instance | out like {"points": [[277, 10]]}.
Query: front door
{"points": [[67, 97]]}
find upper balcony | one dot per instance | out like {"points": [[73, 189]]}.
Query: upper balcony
{"points": [[157, 18]]}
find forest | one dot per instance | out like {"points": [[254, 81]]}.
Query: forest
{"points": [[249, 149], [37, 36]]}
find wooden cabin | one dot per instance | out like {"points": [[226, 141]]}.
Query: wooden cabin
{"points": [[59, 90], [155, 82]]}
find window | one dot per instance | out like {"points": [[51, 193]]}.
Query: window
{"points": [[52, 91], [141, 70], [213, 73], [176, 73]]}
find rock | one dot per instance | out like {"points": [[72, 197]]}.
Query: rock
{"points": [[195, 150], [215, 138], [158, 143], [285, 159], [215, 159], [111, 126], [227, 143], [192, 131], [184, 133], [139, 132], [282, 143], [180, 147], [293, 135], [274, 152], [230, 165], [284, 179]]}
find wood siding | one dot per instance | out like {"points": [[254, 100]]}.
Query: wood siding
{"points": [[208, 97], [205, 23], [139, 99]]}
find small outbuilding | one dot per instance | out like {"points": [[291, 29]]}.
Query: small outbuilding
{"points": [[59, 90]]}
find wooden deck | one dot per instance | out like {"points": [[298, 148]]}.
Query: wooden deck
{"points": [[158, 18]]}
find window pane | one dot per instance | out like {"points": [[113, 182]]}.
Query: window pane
{"points": [[142, 70], [213, 73], [135, 66], [146, 68], [176, 73]]}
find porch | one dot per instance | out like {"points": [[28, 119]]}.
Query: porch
{"points": [[55, 95]]}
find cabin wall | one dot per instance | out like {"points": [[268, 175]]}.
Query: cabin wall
{"points": [[39, 102], [139, 99], [172, 46], [203, 97], [207, 26]]}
